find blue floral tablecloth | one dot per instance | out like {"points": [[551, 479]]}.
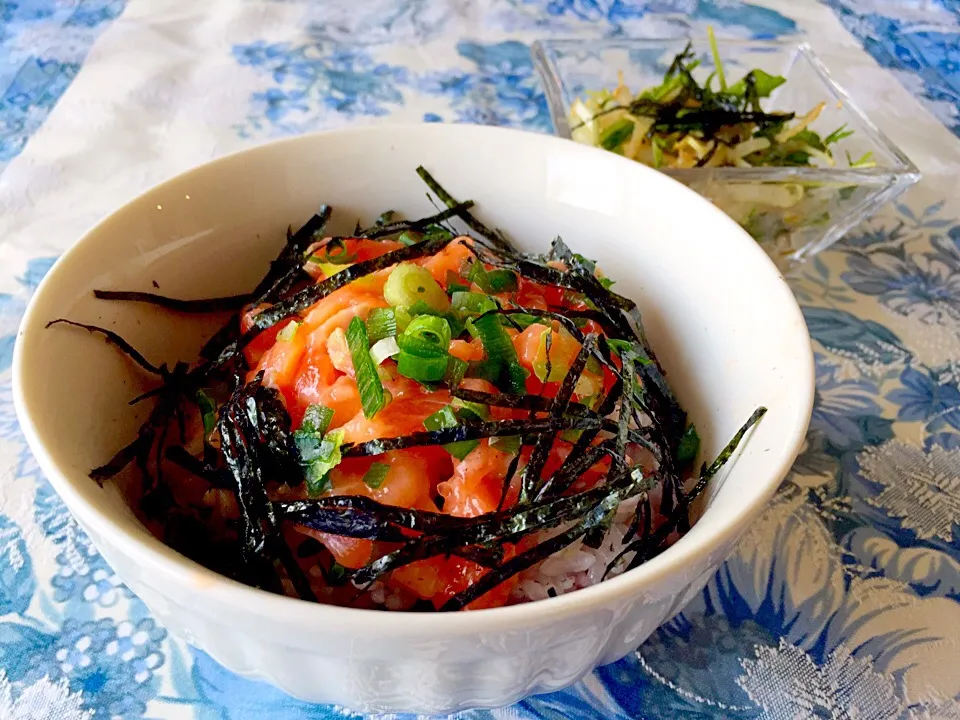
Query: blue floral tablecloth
{"points": [[842, 600]]}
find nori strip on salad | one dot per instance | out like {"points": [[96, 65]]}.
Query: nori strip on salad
{"points": [[249, 447]]}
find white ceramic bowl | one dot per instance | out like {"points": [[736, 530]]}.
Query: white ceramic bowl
{"points": [[721, 318]]}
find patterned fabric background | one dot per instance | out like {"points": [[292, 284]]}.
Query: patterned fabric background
{"points": [[843, 601]]}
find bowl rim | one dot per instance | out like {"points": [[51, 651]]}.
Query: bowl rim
{"points": [[149, 552], [902, 171]]}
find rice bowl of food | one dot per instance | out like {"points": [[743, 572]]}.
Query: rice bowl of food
{"points": [[533, 415]]}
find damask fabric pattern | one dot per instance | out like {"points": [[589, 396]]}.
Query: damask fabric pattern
{"points": [[843, 601]]}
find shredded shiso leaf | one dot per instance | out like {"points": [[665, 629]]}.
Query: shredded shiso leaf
{"points": [[250, 448]]}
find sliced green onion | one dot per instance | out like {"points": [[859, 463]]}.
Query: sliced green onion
{"points": [[516, 378], [455, 284], [335, 253], [620, 346], [421, 308], [208, 411], [426, 336], [488, 370], [441, 419], [375, 476], [409, 283], [403, 318], [521, 320], [471, 304], [496, 341], [470, 410], [446, 418], [456, 369], [372, 396], [506, 444], [500, 352], [381, 323], [409, 237], [421, 369], [289, 331], [383, 349], [492, 281], [316, 419]]}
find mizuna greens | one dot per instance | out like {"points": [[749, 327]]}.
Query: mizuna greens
{"points": [[412, 418]]}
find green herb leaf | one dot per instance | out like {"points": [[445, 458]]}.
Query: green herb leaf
{"points": [[492, 281], [318, 456], [763, 83]]}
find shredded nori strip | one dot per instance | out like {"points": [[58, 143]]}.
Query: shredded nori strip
{"points": [[501, 526], [472, 430], [447, 199], [288, 267], [593, 518], [114, 339], [206, 305], [416, 225]]}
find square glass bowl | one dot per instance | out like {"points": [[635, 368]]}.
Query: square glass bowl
{"points": [[793, 212]]}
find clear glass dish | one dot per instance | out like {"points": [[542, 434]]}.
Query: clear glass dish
{"points": [[793, 212]]}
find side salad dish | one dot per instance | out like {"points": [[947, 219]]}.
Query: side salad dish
{"points": [[415, 418]]}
